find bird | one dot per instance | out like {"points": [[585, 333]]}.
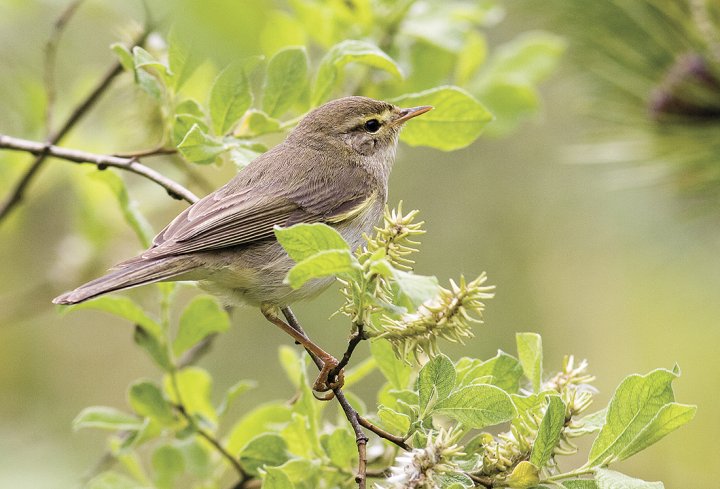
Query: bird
{"points": [[332, 168]]}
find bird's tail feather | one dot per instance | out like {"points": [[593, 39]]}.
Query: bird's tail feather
{"points": [[132, 274]]}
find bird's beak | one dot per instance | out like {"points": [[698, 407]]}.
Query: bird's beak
{"points": [[407, 114]]}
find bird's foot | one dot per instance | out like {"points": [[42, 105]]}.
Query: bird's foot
{"points": [[328, 380]]}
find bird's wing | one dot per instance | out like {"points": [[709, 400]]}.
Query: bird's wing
{"points": [[238, 216]]}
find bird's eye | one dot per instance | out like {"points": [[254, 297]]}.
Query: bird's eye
{"points": [[373, 125]]}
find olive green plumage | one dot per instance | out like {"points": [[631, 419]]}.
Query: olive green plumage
{"points": [[332, 168]]}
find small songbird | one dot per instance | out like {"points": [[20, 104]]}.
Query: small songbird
{"points": [[332, 168]]}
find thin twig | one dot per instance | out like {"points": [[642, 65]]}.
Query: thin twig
{"points": [[148, 152], [51, 57], [82, 108], [356, 421], [101, 161], [355, 340], [397, 440], [180, 407]]}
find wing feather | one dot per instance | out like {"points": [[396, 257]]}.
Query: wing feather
{"points": [[247, 208]]}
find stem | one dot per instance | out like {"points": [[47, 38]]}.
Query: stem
{"points": [[209, 437], [397, 440], [132, 165], [355, 340], [572, 473], [82, 108], [352, 416]]}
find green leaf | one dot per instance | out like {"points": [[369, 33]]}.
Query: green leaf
{"points": [[592, 422], [510, 101], [132, 215], [457, 120], [146, 399], [609, 479], [187, 114], [302, 241], [263, 418], [416, 289], [196, 457], [524, 476], [242, 153], [267, 449], [637, 416], [168, 464], [394, 421], [502, 370], [199, 147], [304, 474], [292, 364], [530, 353], [195, 385], [201, 318], [340, 447], [435, 381], [349, 51], [580, 484], [323, 264], [112, 480], [275, 478], [154, 346], [471, 57], [233, 392], [106, 418], [452, 480], [143, 59], [300, 437], [230, 97], [286, 80], [123, 307], [255, 123], [124, 56], [549, 432], [670, 417], [182, 58], [478, 406], [395, 371], [530, 57]]}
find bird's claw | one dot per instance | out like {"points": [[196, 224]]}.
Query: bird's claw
{"points": [[324, 384]]}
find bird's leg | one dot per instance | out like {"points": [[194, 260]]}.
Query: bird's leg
{"points": [[323, 383]]}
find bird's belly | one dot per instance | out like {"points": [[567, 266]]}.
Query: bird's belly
{"points": [[255, 274]]}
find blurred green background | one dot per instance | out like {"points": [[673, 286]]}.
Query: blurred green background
{"points": [[625, 275]]}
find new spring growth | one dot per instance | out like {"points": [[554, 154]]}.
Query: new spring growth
{"points": [[419, 468], [449, 315], [502, 453], [387, 249]]}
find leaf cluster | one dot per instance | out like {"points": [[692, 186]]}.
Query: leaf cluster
{"points": [[441, 408]]}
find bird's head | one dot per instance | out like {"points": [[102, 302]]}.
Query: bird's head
{"points": [[366, 126]]}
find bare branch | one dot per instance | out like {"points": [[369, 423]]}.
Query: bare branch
{"points": [[356, 421], [101, 161], [51, 57], [82, 108]]}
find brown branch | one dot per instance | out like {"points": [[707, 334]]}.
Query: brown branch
{"points": [[132, 165], [397, 440], [355, 340], [82, 108], [180, 407], [148, 152], [356, 421]]}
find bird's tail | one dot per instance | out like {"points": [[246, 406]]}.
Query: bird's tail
{"points": [[129, 274]]}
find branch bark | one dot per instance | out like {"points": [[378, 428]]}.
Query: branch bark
{"points": [[132, 165], [82, 108]]}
